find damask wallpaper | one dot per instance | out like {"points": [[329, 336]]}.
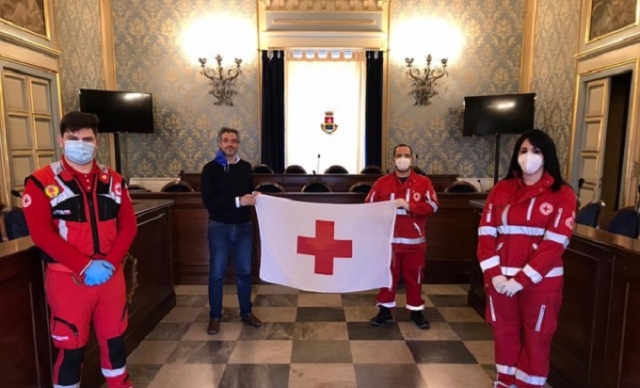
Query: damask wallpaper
{"points": [[79, 35], [489, 63], [149, 58], [554, 70]]}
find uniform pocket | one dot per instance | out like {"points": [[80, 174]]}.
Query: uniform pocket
{"points": [[65, 334], [540, 318], [491, 310]]}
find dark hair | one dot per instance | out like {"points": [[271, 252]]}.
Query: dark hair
{"points": [[75, 121], [224, 130], [545, 144], [401, 145]]}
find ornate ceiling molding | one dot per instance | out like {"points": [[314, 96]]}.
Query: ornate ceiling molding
{"points": [[324, 5]]}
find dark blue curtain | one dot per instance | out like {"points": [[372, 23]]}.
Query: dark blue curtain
{"points": [[272, 148], [373, 110]]}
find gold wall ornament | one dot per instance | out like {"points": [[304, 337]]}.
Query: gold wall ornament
{"points": [[221, 83], [329, 126], [424, 82]]}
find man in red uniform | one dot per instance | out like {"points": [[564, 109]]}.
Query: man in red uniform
{"points": [[80, 214], [416, 200]]}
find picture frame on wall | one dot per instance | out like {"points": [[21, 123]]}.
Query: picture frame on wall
{"points": [[28, 15], [605, 24], [28, 23], [609, 16]]}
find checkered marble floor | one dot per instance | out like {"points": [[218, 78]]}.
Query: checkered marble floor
{"points": [[316, 340]]}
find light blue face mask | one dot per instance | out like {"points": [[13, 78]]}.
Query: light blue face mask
{"points": [[78, 151]]}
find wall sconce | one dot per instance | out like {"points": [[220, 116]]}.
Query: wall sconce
{"points": [[221, 83], [424, 82]]}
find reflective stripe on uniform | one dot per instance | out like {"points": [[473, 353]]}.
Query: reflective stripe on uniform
{"points": [[506, 370], [526, 230], [557, 237], [113, 372], [491, 262], [487, 231], [530, 379], [408, 241], [532, 274]]}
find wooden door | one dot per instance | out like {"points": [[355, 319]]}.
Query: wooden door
{"points": [[591, 146], [29, 135]]}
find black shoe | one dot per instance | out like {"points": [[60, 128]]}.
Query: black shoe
{"points": [[383, 316], [419, 320]]}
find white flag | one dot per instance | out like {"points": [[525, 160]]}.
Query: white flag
{"points": [[325, 247]]}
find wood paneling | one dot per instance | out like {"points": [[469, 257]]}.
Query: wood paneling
{"points": [[448, 260], [25, 348]]}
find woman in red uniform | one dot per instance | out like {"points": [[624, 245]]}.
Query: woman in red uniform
{"points": [[525, 227]]}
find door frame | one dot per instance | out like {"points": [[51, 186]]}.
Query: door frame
{"points": [[5, 167], [629, 177]]}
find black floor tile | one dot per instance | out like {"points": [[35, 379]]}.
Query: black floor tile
{"points": [[323, 352], [440, 352], [358, 300], [472, 331], [276, 300], [363, 331], [387, 375], [142, 375], [168, 331], [320, 314], [255, 376], [191, 300], [449, 300]]}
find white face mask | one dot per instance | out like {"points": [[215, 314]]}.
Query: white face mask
{"points": [[402, 164], [530, 163]]}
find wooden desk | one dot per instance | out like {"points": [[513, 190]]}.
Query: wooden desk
{"points": [[598, 342], [449, 260], [337, 182], [25, 348]]}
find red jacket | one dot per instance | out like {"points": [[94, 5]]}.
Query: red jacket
{"points": [[417, 190], [75, 217], [525, 229]]}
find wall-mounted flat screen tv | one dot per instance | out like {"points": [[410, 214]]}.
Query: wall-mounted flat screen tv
{"points": [[119, 111], [498, 114]]}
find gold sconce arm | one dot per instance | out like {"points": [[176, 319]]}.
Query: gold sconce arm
{"points": [[424, 81], [221, 83]]}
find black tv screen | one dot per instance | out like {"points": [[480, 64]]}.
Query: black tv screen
{"points": [[498, 114], [119, 111]]}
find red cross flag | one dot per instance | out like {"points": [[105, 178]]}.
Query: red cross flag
{"points": [[325, 247]]}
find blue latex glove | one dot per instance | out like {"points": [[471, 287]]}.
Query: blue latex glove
{"points": [[98, 272]]}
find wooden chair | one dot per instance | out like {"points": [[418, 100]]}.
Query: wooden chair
{"points": [[316, 187], [262, 169], [269, 187], [590, 214], [418, 170], [461, 187], [374, 170], [360, 187], [295, 169], [336, 169], [626, 222], [177, 187]]}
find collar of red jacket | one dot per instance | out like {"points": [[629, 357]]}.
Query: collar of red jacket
{"points": [[74, 172], [545, 181]]}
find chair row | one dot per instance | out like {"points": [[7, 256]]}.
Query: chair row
{"points": [[625, 221], [335, 169], [312, 187]]}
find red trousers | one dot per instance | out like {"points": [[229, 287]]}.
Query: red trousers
{"points": [[73, 307], [410, 265], [523, 327]]}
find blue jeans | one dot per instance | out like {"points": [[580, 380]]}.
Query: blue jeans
{"points": [[223, 240]]}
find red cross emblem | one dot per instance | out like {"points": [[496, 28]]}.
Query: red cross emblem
{"points": [[324, 247], [569, 222], [118, 189], [546, 208]]}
